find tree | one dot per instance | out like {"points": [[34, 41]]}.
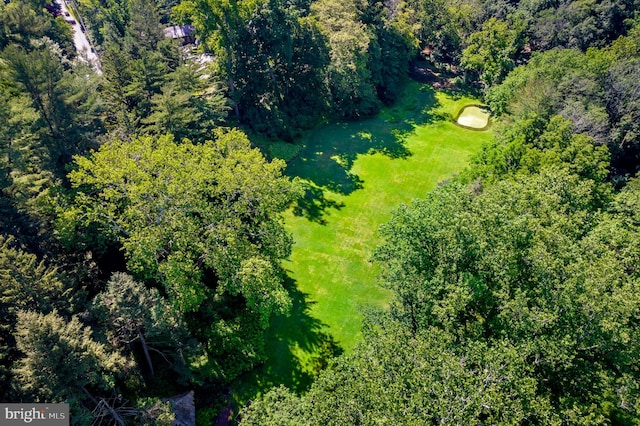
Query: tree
{"points": [[435, 25], [527, 260], [597, 91], [172, 113], [218, 23], [25, 284], [144, 32], [22, 151], [349, 78], [200, 221], [391, 47], [137, 59], [189, 106], [491, 51], [66, 103], [62, 362], [22, 24], [47, 114], [38, 74], [279, 75], [529, 145], [622, 86], [180, 210], [580, 23], [132, 314], [120, 94], [396, 377]]}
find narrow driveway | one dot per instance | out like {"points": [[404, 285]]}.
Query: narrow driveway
{"points": [[80, 40]]}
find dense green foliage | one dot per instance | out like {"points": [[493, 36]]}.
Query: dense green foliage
{"points": [[183, 211], [199, 221], [597, 91], [535, 272], [25, 285], [141, 236], [135, 315], [516, 290], [61, 360], [399, 377]]}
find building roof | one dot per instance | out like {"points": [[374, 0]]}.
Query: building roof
{"points": [[179, 31]]}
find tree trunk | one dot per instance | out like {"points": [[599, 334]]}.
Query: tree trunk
{"points": [[232, 91], [229, 51], [145, 349], [105, 407], [86, 392], [276, 89], [116, 416]]}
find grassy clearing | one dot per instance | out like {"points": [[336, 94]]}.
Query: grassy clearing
{"points": [[355, 174]]}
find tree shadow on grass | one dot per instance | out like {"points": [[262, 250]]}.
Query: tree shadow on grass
{"points": [[326, 160], [298, 346], [313, 204]]}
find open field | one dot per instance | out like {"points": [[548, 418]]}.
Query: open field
{"points": [[355, 174]]}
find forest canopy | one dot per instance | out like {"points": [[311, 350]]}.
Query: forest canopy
{"points": [[142, 236]]}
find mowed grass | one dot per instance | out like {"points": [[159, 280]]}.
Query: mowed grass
{"points": [[355, 174]]}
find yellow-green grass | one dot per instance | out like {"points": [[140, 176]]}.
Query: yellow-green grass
{"points": [[355, 174]]}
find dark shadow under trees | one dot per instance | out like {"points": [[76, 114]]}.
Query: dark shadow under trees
{"points": [[288, 337]]}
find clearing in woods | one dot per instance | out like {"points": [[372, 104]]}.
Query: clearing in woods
{"points": [[355, 174]]}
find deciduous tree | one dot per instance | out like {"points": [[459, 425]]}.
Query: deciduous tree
{"points": [[180, 210], [527, 260], [491, 51]]}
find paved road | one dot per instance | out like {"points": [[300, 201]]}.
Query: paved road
{"points": [[80, 40]]}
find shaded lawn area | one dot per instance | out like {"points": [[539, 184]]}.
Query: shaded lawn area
{"points": [[355, 174]]}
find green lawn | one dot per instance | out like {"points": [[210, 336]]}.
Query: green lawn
{"points": [[355, 174]]}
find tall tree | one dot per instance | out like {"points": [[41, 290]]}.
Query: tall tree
{"points": [[133, 314], [526, 260], [25, 284], [396, 377], [280, 72], [182, 209], [622, 86], [597, 91], [66, 102], [349, 39], [38, 74], [22, 23], [491, 51], [435, 25], [190, 105], [144, 32], [202, 221], [62, 362], [218, 23]]}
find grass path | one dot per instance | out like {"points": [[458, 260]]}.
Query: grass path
{"points": [[355, 175]]}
